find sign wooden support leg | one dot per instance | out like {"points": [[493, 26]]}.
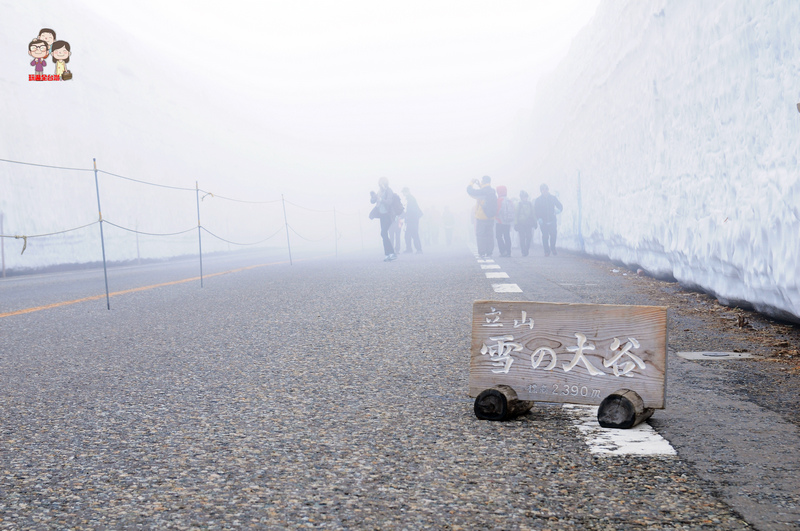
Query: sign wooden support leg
{"points": [[500, 403], [622, 409]]}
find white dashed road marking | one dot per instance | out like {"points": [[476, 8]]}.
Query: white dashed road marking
{"points": [[506, 288], [490, 266], [496, 274]]}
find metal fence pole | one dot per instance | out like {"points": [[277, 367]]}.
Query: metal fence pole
{"points": [[199, 233], [102, 238], [286, 224]]}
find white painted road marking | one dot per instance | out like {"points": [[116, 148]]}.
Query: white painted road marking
{"points": [[494, 266], [496, 274], [506, 288], [639, 440]]}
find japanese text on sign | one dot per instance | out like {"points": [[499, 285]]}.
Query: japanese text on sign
{"points": [[621, 358]]}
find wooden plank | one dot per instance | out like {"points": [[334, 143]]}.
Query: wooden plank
{"points": [[569, 353]]}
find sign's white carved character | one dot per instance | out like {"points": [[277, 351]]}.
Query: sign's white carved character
{"points": [[629, 365], [524, 321], [540, 352], [500, 354], [579, 357], [493, 319]]}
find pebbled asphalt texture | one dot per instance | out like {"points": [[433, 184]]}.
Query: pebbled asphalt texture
{"points": [[333, 394]]}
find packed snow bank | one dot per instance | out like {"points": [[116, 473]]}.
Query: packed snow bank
{"points": [[671, 133]]}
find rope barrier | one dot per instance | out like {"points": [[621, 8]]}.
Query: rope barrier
{"points": [[306, 239], [237, 200], [146, 182], [45, 165], [181, 188], [243, 244], [150, 233], [335, 234], [25, 237]]}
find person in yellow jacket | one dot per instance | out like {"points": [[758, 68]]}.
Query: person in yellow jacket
{"points": [[486, 209]]}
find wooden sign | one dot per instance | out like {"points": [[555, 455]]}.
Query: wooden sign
{"points": [[573, 353]]}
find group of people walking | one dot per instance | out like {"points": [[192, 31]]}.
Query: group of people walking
{"points": [[496, 214], [389, 210]]}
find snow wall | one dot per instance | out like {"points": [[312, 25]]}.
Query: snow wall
{"points": [[671, 133]]}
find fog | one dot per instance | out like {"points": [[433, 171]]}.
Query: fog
{"points": [[259, 101], [263, 98], [668, 129]]}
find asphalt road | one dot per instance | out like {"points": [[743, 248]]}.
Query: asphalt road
{"points": [[333, 393]]}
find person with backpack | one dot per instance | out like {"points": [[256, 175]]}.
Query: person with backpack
{"points": [[525, 222], [386, 210], [504, 219], [485, 210], [546, 207]]}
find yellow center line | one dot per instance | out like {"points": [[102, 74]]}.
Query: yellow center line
{"points": [[143, 288]]}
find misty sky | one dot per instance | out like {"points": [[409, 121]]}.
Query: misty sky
{"points": [[308, 98], [419, 91]]}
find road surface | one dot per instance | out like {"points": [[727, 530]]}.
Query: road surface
{"points": [[333, 393]]}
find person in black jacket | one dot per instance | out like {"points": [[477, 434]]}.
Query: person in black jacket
{"points": [[546, 207], [383, 211]]}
